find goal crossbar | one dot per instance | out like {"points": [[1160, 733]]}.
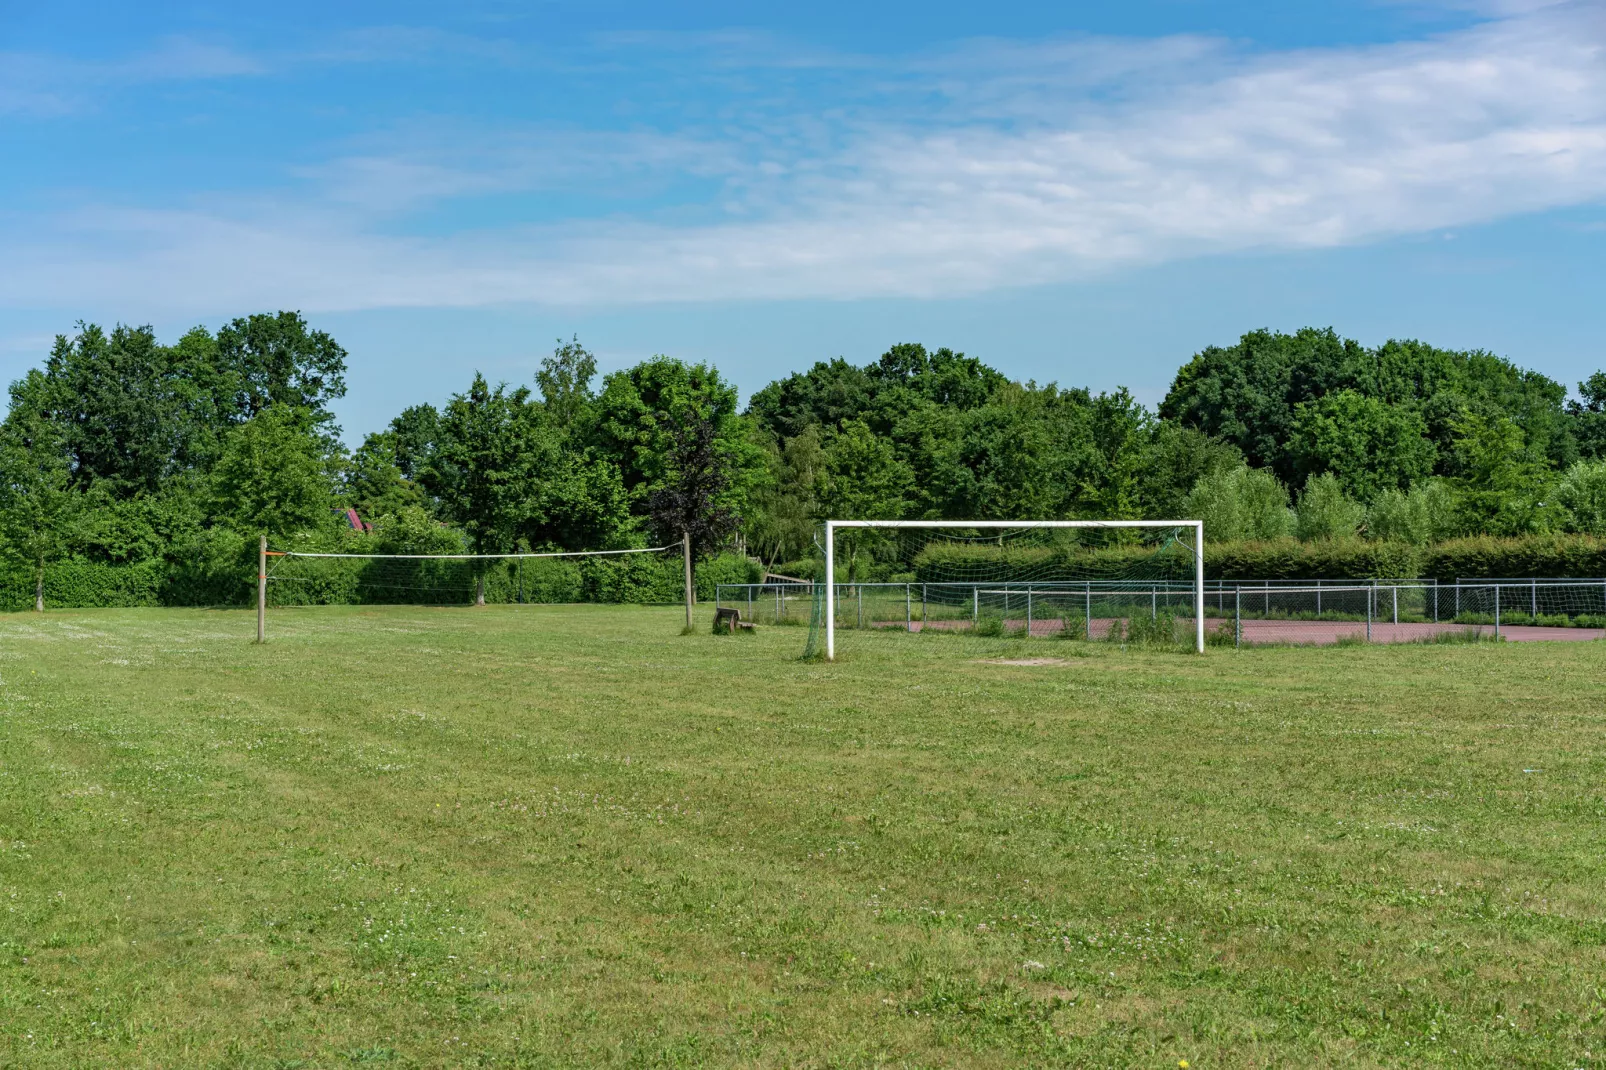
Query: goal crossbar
{"points": [[831, 527]]}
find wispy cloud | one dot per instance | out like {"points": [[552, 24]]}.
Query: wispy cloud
{"points": [[39, 84], [1041, 163]]}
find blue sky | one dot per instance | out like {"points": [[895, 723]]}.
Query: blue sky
{"points": [[1085, 193]]}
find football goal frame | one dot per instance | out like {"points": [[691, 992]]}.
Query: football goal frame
{"points": [[833, 526]]}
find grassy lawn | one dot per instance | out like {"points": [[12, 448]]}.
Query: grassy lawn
{"points": [[541, 836]]}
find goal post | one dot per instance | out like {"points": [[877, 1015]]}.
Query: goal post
{"points": [[648, 575], [1193, 528]]}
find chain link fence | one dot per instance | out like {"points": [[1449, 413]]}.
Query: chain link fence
{"points": [[1237, 613]]}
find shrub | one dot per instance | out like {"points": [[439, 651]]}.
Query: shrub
{"points": [[726, 568], [1582, 492], [1484, 557], [85, 585], [1075, 627], [1287, 559], [1425, 514], [1325, 511], [1240, 503]]}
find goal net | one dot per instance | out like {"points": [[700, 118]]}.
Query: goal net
{"points": [[646, 575], [998, 585]]}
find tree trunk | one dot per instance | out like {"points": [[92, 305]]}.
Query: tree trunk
{"points": [[479, 590], [39, 588]]}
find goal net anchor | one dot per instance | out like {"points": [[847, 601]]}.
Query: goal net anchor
{"points": [[833, 526]]}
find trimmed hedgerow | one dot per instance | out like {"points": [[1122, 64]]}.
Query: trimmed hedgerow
{"points": [[1289, 559], [220, 570], [78, 584], [1550, 556], [1270, 560]]}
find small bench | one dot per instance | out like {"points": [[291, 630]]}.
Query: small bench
{"points": [[730, 620]]}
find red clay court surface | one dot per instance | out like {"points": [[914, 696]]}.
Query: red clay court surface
{"points": [[1311, 632]]}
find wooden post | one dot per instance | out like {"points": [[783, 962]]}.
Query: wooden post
{"points": [[262, 590], [691, 591]]}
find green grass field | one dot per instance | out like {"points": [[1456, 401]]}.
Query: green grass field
{"points": [[569, 836]]}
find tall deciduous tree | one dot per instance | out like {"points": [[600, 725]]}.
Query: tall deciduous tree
{"points": [[1504, 489], [1240, 503], [1367, 444], [275, 476], [693, 494], [37, 505], [265, 360], [481, 469], [631, 425], [1325, 511], [1588, 416], [1247, 394], [565, 381], [1582, 492]]}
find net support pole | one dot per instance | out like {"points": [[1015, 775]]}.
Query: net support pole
{"points": [[1198, 586], [262, 590], [685, 552], [830, 591]]}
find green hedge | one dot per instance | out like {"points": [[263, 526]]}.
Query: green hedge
{"points": [[1289, 559], [222, 572], [1549, 556], [1272, 560], [85, 585]]}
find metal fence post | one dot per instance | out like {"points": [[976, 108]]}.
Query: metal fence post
{"points": [[975, 604], [1497, 611], [1028, 612], [1395, 592], [858, 593], [922, 607], [1237, 617], [749, 601], [1533, 608], [1370, 591], [908, 609], [1435, 602], [1087, 594], [521, 579]]}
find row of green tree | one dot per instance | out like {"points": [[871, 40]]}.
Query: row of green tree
{"points": [[125, 450]]}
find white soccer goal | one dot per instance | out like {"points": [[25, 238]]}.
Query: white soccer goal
{"points": [[1107, 579], [653, 575]]}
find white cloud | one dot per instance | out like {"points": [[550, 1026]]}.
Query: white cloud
{"points": [[46, 85], [1023, 177]]}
